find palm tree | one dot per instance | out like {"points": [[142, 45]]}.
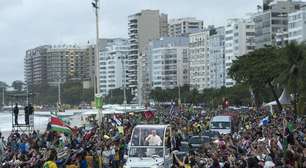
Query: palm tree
{"points": [[293, 55]]}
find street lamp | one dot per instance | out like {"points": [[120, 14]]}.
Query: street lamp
{"points": [[96, 82], [178, 80], [123, 58], [95, 4], [3, 89]]}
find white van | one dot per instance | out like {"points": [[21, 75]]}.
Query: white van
{"points": [[221, 124]]}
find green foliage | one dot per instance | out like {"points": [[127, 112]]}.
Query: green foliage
{"points": [[116, 96], [258, 69], [44, 95], [238, 95], [17, 85], [72, 93], [3, 85], [277, 68]]}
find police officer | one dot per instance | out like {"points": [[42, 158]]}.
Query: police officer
{"points": [[16, 111], [26, 115]]}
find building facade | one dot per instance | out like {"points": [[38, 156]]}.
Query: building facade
{"points": [[49, 65], [113, 65], [239, 40], [143, 27], [216, 41], [297, 26], [199, 60], [35, 66], [184, 26], [169, 62], [67, 62], [273, 21], [206, 51]]}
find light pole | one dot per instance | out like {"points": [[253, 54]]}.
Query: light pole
{"points": [[178, 77], [95, 5], [59, 92], [27, 95], [3, 89], [124, 82]]}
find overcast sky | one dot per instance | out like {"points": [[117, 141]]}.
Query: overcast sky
{"points": [[26, 24]]}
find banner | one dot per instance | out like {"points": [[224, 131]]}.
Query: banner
{"points": [[99, 101]]}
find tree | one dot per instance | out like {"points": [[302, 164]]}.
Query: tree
{"points": [[291, 76], [73, 93], [258, 69], [116, 96], [3, 85], [18, 85]]}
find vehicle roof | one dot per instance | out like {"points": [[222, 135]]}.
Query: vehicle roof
{"points": [[221, 118], [152, 126]]}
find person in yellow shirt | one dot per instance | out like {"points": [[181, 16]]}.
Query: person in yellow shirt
{"points": [[89, 158], [50, 163], [183, 164], [116, 162]]}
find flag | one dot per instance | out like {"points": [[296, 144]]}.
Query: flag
{"points": [[264, 121], [172, 109], [148, 115], [116, 121], [59, 125], [190, 109]]}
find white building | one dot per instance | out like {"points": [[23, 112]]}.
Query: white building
{"points": [[113, 65], [239, 40], [216, 58], [272, 23], [206, 51], [169, 62], [199, 60], [143, 27], [297, 26], [184, 26]]}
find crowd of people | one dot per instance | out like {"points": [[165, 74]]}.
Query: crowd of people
{"points": [[278, 142], [100, 146]]}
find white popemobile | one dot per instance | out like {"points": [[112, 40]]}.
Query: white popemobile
{"points": [[149, 147]]}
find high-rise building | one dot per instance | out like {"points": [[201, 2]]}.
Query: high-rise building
{"points": [[272, 20], [169, 62], [216, 41], [143, 27], [266, 4], [184, 26], [35, 66], [206, 52], [239, 40], [67, 62], [297, 26], [90, 52], [113, 65], [199, 60], [49, 65]]}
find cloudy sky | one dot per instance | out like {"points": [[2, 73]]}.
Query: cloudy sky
{"points": [[26, 24]]}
